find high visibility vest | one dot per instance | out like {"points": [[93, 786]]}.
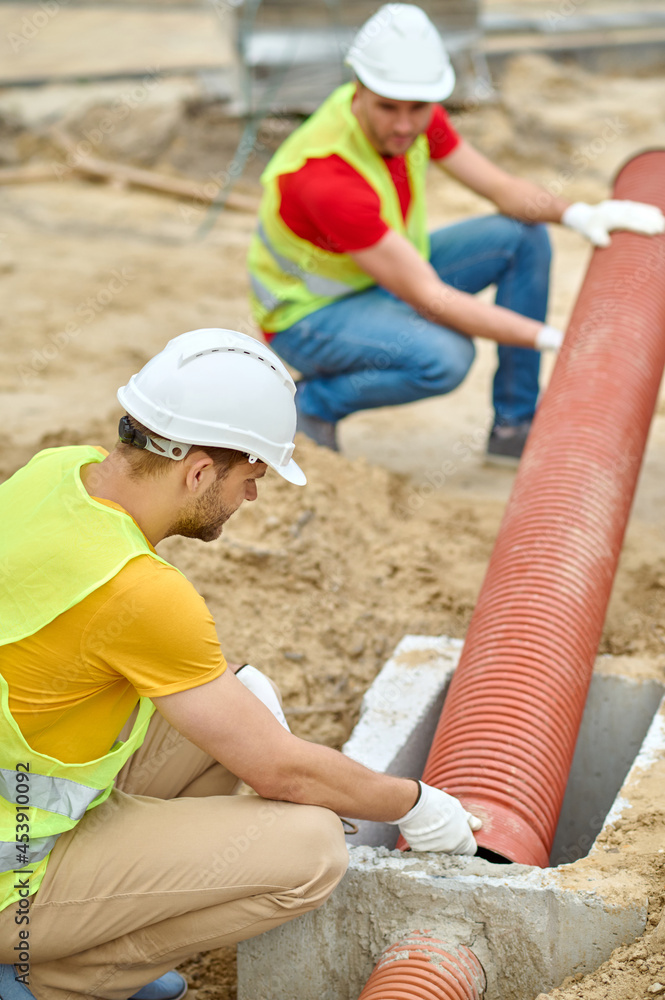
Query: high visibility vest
{"points": [[289, 276], [57, 546]]}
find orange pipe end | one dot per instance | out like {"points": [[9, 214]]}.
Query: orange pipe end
{"points": [[420, 967]]}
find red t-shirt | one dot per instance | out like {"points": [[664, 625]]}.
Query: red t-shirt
{"points": [[330, 204]]}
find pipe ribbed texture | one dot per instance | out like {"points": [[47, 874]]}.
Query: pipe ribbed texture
{"points": [[507, 733], [419, 967]]}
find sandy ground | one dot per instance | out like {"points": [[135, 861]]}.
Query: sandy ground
{"points": [[315, 586]]}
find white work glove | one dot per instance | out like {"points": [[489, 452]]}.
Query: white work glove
{"points": [[597, 221], [438, 822], [548, 338], [259, 685]]}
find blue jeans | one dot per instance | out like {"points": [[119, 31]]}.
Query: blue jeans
{"points": [[372, 349]]}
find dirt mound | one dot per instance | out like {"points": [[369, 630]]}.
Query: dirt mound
{"points": [[317, 585]]}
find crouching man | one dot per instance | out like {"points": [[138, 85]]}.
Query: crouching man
{"points": [[121, 843]]}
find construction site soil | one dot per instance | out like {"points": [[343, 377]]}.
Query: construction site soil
{"points": [[315, 585]]}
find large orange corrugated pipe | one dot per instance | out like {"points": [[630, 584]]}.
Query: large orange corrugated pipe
{"points": [[507, 733], [419, 967]]}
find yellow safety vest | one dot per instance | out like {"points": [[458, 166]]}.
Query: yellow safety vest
{"points": [[289, 276], [57, 546]]}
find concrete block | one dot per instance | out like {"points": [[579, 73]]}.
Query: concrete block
{"points": [[527, 931], [529, 927], [399, 714]]}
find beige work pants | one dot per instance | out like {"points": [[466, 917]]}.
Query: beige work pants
{"points": [[171, 864]]}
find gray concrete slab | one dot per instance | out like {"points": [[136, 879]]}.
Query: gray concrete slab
{"points": [[529, 927], [527, 931]]}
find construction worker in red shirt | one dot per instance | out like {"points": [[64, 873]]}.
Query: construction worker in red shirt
{"points": [[349, 286], [123, 851]]}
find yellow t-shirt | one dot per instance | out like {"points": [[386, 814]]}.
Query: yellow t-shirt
{"points": [[73, 684]]}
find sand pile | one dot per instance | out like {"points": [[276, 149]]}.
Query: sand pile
{"points": [[317, 585], [636, 971]]}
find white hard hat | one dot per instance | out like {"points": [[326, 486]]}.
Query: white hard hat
{"points": [[218, 388], [399, 54]]}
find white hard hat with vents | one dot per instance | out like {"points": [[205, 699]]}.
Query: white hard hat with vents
{"points": [[217, 388], [399, 54]]}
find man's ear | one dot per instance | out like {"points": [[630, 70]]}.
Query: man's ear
{"points": [[200, 472]]}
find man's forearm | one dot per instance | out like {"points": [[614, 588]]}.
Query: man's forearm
{"points": [[395, 264], [232, 725], [429, 818], [317, 775], [528, 202], [513, 196], [440, 303]]}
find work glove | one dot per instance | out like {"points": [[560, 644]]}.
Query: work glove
{"points": [[548, 338], [597, 221], [259, 685], [438, 822]]}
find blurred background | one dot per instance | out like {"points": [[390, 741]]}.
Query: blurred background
{"points": [[133, 135]]}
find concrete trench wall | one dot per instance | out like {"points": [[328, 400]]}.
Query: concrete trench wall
{"points": [[529, 927]]}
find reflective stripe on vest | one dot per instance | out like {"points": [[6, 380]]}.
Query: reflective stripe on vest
{"points": [[13, 857], [57, 795], [265, 297], [316, 284], [291, 277]]}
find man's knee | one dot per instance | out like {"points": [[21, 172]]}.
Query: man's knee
{"points": [[535, 238], [526, 239], [324, 852], [462, 361], [446, 370]]}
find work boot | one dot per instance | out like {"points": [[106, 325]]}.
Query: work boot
{"points": [[323, 432], [506, 443], [170, 986]]}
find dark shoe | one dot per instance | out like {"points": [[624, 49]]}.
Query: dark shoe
{"points": [[323, 432], [170, 986], [506, 443], [10, 987]]}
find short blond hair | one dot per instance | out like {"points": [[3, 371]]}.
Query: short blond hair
{"points": [[146, 465]]}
